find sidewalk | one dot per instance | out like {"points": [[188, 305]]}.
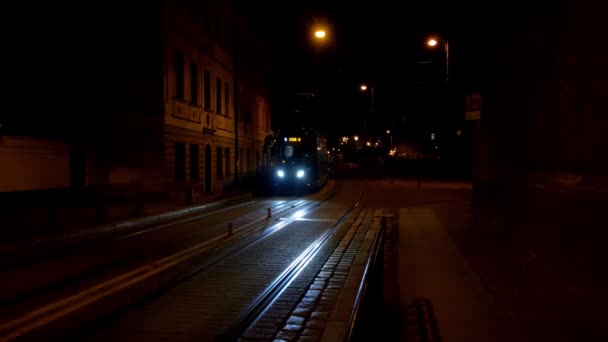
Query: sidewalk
{"points": [[429, 270], [81, 223]]}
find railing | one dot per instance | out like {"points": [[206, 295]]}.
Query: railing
{"points": [[371, 287]]}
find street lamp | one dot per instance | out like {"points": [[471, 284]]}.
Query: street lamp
{"points": [[432, 42], [388, 131], [364, 88], [320, 34]]}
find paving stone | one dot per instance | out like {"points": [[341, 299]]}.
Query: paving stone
{"points": [[313, 293], [296, 320], [265, 334], [317, 287], [329, 297], [302, 312], [331, 291], [325, 306], [320, 315], [311, 300], [288, 335], [316, 324], [312, 332], [306, 305], [293, 327]]}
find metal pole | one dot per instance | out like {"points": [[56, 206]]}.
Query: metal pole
{"points": [[235, 97], [447, 60]]}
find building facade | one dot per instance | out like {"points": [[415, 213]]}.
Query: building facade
{"points": [[156, 91], [216, 111]]}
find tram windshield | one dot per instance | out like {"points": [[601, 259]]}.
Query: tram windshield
{"points": [[294, 151]]}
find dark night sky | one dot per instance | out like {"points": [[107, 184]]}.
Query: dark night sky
{"points": [[377, 43]]}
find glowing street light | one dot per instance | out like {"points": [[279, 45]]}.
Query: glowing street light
{"points": [[320, 34], [356, 137], [363, 88], [432, 42]]}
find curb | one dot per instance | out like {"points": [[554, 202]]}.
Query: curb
{"points": [[120, 225]]}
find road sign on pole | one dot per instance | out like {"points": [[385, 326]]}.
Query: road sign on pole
{"points": [[473, 104]]}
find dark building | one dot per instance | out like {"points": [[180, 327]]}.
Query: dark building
{"points": [[541, 182], [158, 96]]}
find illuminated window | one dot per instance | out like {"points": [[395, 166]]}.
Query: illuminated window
{"points": [[288, 151]]}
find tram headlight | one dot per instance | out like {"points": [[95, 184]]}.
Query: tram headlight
{"points": [[300, 173], [280, 173]]}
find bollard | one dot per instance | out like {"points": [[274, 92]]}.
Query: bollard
{"points": [[269, 213]]}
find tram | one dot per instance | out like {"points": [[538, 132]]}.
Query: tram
{"points": [[295, 161]]}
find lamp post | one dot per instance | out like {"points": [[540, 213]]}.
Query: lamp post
{"points": [[388, 131], [432, 42], [364, 88]]}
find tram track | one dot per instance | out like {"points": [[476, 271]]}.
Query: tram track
{"points": [[265, 299], [45, 315]]}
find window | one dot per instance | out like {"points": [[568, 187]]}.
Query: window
{"points": [[207, 79], [179, 75], [219, 163], [227, 161], [227, 99], [194, 162], [193, 83], [218, 95], [180, 162]]}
